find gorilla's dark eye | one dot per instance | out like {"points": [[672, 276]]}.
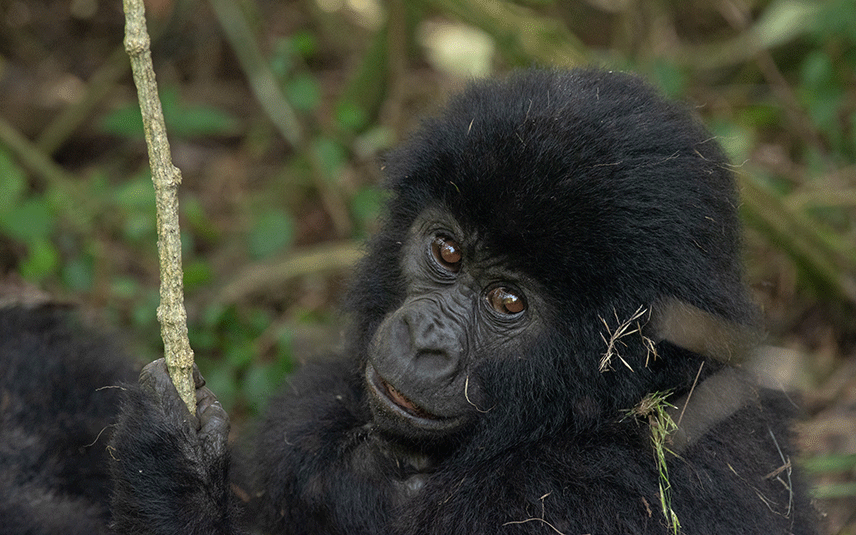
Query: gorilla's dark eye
{"points": [[506, 301], [447, 252]]}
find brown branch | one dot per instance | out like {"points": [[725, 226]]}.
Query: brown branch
{"points": [[166, 178], [257, 278]]}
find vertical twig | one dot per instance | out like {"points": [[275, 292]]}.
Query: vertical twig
{"points": [[166, 178]]}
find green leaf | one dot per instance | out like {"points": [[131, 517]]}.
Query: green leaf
{"points": [[257, 385], [260, 382], [135, 200], [196, 274], [144, 311], [201, 339], [669, 77], [200, 121], [303, 92], [214, 315], [272, 233], [304, 43], [257, 320], [139, 226], [220, 379], [29, 221], [822, 94], [853, 132], [350, 117], [78, 273], [42, 260], [784, 20], [239, 354], [124, 122], [285, 351], [331, 155], [836, 19]]}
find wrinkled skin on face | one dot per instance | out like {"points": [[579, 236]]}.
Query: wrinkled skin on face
{"points": [[460, 307]]}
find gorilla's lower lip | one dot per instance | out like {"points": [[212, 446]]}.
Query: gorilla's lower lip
{"points": [[395, 398], [401, 400]]}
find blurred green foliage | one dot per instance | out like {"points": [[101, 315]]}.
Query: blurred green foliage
{"points": [[182, 120], [238, 377], [28, 219]]}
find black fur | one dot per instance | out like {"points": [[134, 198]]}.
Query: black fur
{"points": [[54, 422], [609, 198]]}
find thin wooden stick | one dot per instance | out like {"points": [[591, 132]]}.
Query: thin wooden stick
{"points": [[166, 177]]}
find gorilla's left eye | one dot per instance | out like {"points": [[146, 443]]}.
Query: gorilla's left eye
{"points": [[447, 252], [506, 301]]}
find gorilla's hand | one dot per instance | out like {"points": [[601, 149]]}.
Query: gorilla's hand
{"points": [[211, 422], [169, 468]]}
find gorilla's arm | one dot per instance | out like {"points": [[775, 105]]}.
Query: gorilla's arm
{"points": [[170, 469], [319, 466]]}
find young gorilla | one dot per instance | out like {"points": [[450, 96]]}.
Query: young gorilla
{"points": [[479, 393], [558, 247]]}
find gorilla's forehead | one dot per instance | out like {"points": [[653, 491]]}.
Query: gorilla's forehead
{"points": [[541, 154], [473, 241], [589, 179]]}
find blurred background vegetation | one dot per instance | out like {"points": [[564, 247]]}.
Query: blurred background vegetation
{"points": [[279, 113]]}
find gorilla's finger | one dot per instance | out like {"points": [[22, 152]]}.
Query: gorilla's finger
{"points": [[213, 423], [197, 377], [155, 380]]}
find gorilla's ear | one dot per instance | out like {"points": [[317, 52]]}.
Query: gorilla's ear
{"points": [[701, 332]]}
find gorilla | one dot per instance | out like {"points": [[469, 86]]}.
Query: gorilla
{"points": [[547, 335]]}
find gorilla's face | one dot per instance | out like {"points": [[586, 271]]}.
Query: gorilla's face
{"points": [[462, 306], [526, 224]]}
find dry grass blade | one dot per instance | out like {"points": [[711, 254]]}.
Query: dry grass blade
{"points": [[614, 339]]}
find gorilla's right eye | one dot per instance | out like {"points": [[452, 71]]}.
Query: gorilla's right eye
{"points": [[447, 253]]}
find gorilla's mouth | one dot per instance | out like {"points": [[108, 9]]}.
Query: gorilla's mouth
{"points": [[401, 400], [395, 398]]}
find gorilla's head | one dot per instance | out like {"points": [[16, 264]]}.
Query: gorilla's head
{"points": [[539, 230]]}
